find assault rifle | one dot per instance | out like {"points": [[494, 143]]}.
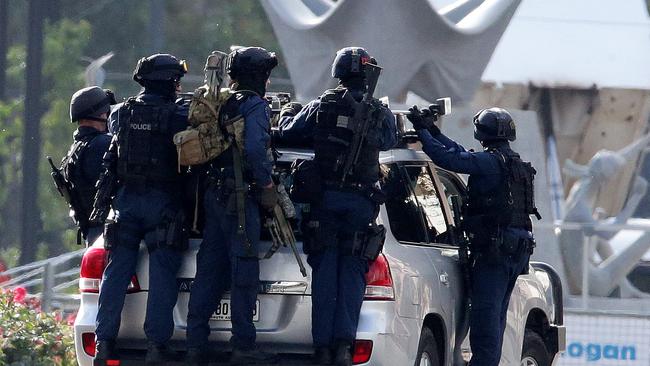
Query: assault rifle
{"points": [[106, 186], [362, 119], [280, 228], [463, 242], [65, 190]]}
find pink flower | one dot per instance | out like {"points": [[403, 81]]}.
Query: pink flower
{"points": [[71, 318], [19, 294]]}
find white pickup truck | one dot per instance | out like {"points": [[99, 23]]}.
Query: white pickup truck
{"points": [[415, 309]]}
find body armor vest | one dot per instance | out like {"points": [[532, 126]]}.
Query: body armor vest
{"points": [[83, 186], [146, 154], [512, 201], [332, 139]]}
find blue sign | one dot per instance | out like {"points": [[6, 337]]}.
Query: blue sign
{"points": [[593, 352]]}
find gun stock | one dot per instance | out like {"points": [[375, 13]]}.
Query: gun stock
{"points": [[362, 118]]}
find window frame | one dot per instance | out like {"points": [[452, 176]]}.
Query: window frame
{"points": [[442, 198]]}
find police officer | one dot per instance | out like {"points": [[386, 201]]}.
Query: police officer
{"points": [[241, 186], [345, 207], [500, 200], [146, 206], [89, 107]]}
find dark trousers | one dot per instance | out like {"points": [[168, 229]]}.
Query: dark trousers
{"points": [[138, 215], [493, 280], [221, 263], [338, 277]]}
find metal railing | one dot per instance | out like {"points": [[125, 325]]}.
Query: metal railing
{"points": [[49, 280], [590, 233]]}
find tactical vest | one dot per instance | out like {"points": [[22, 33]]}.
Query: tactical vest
{"points": [[205, 139], [512, 201], [146, 154], [83, 187], [332, 138]]}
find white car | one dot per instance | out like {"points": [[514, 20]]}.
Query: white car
{"points": [[415, 308]]}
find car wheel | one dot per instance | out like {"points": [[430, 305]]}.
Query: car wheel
{"points": [[534, 351], [427, 349]]}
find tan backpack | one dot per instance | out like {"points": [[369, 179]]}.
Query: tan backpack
{"points": [[204, 139]]}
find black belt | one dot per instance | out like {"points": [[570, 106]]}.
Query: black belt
{"points": [[350, 187]]}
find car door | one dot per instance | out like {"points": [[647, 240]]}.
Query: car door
{"points": [[420, 219]]}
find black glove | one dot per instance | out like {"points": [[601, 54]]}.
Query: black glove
{"points": [[421, 119], [290, 109], [267, 197], [433, 129]]}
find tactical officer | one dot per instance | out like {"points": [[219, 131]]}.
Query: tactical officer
{"points": [[500, 200], [346, 205], [241, 186], [141, 173], [89, 107]]}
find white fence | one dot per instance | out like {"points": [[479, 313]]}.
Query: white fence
{"points": [[50, 280]]}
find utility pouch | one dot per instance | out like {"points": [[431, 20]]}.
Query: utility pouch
{"points": [[313, 237], [374, 242], [177, 236], [111, 230], [377, 195], [307, 183], [509, 244]]}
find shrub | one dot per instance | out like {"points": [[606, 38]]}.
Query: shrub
{"points": [[30, 337]]}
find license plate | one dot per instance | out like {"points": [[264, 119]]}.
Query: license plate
{"points": [[224, 310]]}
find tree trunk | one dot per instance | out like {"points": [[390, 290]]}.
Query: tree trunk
{"points": [[157, 15], [4, 20], [30, 215]]}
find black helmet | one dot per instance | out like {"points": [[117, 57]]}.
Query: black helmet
{"points": [[251, 67], [91, 103], [251, 61], [494, 124], [349, 62], [159, 67]]}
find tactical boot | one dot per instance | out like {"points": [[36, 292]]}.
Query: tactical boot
{"points": [[197, 357], [105, 354], [158, 354], [251, 357], [343, 354], [322, 356]]}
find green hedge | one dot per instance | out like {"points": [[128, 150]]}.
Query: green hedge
{"points": [[30, 337]]}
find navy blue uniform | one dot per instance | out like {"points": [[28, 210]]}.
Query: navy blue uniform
{"points": [[141, 209], [338, 277], [223, 260], [88, 168], [493, 278]]}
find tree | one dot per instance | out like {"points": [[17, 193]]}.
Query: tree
{"points": [[31, 148]]}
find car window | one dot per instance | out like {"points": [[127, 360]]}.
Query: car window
{"points": [[451, 187], [413, 205], [405, 218], [429, 202]]}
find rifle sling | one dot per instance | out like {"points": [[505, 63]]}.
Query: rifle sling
{"points": [[240, 192]]}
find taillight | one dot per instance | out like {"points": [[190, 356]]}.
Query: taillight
{"points": [[88, 341], [362, 351], [379, 282], [93, 265]]}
